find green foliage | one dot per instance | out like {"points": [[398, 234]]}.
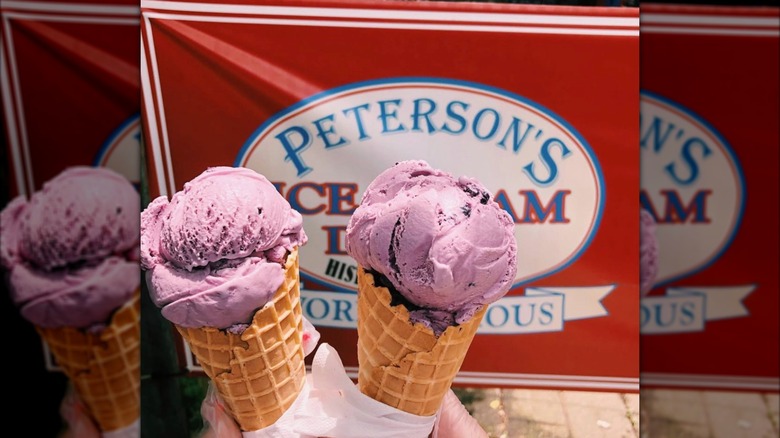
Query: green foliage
{"points": [[469, 396], [193, 391]]}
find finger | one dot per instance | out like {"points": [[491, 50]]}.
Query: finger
{"points": [[456, 422]]}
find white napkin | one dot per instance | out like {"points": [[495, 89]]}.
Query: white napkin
{"points": [[131, 431], [337, 408], [331, 406], [285, 425]]}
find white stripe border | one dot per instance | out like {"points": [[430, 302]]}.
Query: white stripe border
{"points": [[394, 14], [11, 122], [149, 72], [713, 20], [130, 21], [395, 25], [710, 31], [75, 8], [711, 381], [538, 380]]}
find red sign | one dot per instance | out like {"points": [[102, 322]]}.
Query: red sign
{"points": [[70, 87], [539, 103], [709, 152]]}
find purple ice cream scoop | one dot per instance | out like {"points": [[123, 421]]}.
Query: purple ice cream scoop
{"points": [[648, 252], [443, 243], [215, 253], [71, 249]]}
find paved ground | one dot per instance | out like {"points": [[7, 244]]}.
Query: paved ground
{"points": [[665, 414]]}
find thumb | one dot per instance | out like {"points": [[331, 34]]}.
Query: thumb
{"points": [[455, 421]]}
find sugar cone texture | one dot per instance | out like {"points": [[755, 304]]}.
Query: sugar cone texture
{"points": [[259, 373], [105, 368], [401, 364]]}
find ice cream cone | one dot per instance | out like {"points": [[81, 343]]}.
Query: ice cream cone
{"points": [[402, 364], [104, 367], [260, 372]]}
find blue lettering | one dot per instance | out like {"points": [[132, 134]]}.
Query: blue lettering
{"points": [[536, 213], [456, 117], [659, 315], [514, 129], [293, 196], [548, 161], [358, 119], [418, 114], [492, 310], [478, 121], [385, 114], [518, 311], [323, 132], [294, 150], [654, 133], [324, 308], [345, 311], [687, 156], [546, 309], [688, 311], [644, 315], [338, 197]]}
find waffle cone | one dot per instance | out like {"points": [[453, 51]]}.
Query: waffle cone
{"points": [[105, 368], [260, 372], [401, 364]]}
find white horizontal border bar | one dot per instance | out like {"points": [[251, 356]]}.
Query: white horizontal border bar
{"points": [[73, 8], [711, 381], [716, 20], [537, 380], [394, 25], [710, 31], [74, 18], [385, 14]]}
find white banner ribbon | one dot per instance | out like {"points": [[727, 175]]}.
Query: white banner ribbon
{"points": [[687, 309], [540, 310]]}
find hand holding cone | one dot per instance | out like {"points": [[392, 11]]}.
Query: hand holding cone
{"points": [[260, 372]]}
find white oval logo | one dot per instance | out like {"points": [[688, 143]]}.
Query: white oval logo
{"points": [[324, 151], [691, 183], [122, 151]]}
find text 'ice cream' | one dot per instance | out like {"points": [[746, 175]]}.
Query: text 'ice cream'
{"points": [[215, 253], [71, 249], [442, 242]]}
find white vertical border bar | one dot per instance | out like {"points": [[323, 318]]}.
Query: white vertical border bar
{"points": [[19, 107], [48, 357], [188, 357], [160, 108], [10, 119], [151, 114]]}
